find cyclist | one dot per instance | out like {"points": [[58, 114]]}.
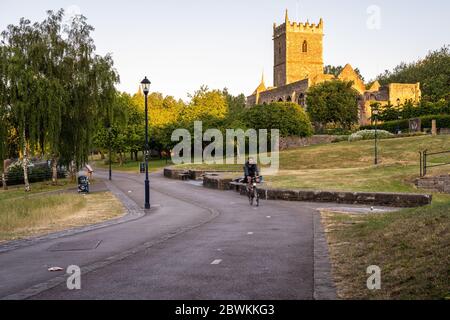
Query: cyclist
{"points": [[251, 170]]}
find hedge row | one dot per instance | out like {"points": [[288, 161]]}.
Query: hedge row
{"points": [[37, 174], [442, 121]]}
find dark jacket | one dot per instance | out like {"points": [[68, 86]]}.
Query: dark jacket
{"points": [[251, 170]]}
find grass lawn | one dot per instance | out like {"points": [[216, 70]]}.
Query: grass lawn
{"points": [[412, 248], [132, 166], [36, 188], [38, 213], [348, 166]]}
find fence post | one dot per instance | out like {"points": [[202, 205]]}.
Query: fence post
{"points": [[425, 163], [421, 164]]}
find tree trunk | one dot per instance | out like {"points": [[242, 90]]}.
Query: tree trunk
{"points": [[55, 170], [136, 156], [25, 164], [120, 159], [131, 155], [5, 186], [72, 171], [102, 156]]}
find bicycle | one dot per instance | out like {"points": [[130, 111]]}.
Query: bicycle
{"points": [[252, 191]]}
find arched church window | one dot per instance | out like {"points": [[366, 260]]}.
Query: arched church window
{"points": [[305, 46], [301, 99]]}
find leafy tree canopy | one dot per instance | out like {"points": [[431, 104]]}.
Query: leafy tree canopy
{"points": [[333, 102], [433, 72]]}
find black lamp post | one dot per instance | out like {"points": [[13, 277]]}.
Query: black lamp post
{"points": [[110, 161], [399, 117], [375, 110], [146, 88]]}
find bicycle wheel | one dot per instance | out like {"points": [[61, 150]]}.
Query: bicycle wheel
{"points": [[250, 196], [256, 196]]}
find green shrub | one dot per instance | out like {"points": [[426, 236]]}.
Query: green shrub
{"points": [[36, 173], [289, 118], [370, 135], [410, 110], [442, 121]]}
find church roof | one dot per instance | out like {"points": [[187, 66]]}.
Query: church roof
{"points": [[262, 87], [349, 74], [374, 86]]}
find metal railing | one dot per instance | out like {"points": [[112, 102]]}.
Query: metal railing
{"points": [[425, 157]]}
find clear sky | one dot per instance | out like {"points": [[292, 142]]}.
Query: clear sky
{"points": [[181, 45]]}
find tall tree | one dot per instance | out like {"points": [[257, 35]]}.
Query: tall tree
{"points": [[55, 88], [433, 73], [333, 102]]}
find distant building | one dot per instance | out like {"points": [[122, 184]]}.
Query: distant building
{"points": [[298, 65]]}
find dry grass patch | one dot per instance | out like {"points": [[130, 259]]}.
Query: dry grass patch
{"points": [[412, 248], [40, 215]]}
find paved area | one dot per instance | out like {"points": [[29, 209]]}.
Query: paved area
{"points": [[195, 243]]}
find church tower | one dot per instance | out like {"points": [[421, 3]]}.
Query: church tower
{"points": [[298, 51]]}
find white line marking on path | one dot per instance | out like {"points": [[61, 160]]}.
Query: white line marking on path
{"points": [[218, 261], [268, 217], [250, 233]]}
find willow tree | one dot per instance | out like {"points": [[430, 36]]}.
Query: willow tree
{"points": [[57, 88], [3, 112], [91, 92], [21, 45]]}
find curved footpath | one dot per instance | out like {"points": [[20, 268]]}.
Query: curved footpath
{"points": [[195, 243]]}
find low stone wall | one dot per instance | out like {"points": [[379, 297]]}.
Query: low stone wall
{"points": [[437, 183], [216, 182], [174, 173], [401, 200], [298, 142]]}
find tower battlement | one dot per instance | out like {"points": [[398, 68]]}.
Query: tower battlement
{"points": [[298, 51], [289, 26]]}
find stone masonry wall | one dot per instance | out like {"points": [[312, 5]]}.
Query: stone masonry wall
{"points": [[438, 183]]}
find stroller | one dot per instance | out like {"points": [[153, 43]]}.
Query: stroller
{"points": [[83, 184]]}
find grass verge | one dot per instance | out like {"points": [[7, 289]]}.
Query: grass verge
{"points": [[412, 248], [132, 166], [42, 214], [36, 188]]}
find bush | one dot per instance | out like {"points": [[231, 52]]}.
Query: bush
{"points": [[370, 135], [410, 110], [289, 118], [36, 173], [442, 121]]}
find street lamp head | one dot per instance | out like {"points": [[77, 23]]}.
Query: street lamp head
{"points": [[146, 86], [375, 109]]}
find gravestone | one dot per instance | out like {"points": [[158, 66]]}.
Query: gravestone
{"points": [[415, 125], [433, 128]]}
